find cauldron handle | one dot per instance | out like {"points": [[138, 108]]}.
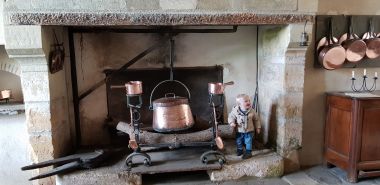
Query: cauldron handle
{"points": [[154, 89]]}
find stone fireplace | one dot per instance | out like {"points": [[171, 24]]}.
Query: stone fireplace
{"points": [[268, 32]]}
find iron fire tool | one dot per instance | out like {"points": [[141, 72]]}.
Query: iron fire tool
{"points": [[134, 91], [134, 143], [72, 162], [217, 141]]}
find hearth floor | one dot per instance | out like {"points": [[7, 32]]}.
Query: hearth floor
{"points": [[185, 159]]}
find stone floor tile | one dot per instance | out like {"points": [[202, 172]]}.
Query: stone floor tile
{"points": [[299, 178], [322, 175], [342, 175]]}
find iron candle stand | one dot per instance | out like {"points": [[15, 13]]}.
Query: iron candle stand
{"points": [[363, 87]]}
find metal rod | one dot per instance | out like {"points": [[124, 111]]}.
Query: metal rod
{"points": [[171, 58], [93, 88], [140, 56], [123, 68], [165, 29], [74, 86]]}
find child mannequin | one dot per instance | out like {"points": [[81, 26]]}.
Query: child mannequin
{"points": [[246, 120]]}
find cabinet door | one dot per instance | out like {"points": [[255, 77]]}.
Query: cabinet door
{"points": [[370, 149], [338, 131]]}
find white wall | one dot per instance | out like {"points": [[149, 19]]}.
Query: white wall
{"points": [[235, 51]]}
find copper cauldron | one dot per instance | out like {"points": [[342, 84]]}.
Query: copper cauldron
{"points": [[171, 113]]}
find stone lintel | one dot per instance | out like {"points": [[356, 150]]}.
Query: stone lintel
{"points": [[159, 18]]}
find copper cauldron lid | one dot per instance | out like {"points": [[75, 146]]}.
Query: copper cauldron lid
{"points": [[170, 101]]}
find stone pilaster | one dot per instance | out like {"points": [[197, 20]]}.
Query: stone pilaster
{"points": [[25, 46], [281, 81]]}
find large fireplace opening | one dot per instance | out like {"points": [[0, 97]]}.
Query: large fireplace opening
{"points": [[196, 57]]}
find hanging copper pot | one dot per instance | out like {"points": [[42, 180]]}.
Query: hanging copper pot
{"points": [[331, 55], [171, 113], [372, 41], [355, 47]]}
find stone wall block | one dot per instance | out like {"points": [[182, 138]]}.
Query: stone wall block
{"points": [[272, 74], [290, 106], [273, 60], [42, 148], [35, 86], [294, 78], [23, 37], [214, 5], [38, 117], [61, 128], [178, 4], [143, 4], [295, 57], [273, 41], [289, 5], [33, 64], [291, 162], [289, 138]]}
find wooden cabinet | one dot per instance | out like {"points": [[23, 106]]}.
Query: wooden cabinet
{"points": [[352, 134]]}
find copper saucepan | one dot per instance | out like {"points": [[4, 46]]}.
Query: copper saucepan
{"points": [[331, 55], [373, 42], [355, 47], [217, 87], [131, 87]]}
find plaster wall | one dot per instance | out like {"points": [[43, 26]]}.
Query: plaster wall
{"points": [[96, 52], [9, 80], [318, 81], [63, 127], [12, 82]]}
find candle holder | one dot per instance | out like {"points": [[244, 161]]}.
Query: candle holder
{"points": [[363, 87]]}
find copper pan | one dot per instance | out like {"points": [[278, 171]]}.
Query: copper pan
{"points": [[332, 55], [217, 87], [373, 43], [131, 87], [354, 46]]}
